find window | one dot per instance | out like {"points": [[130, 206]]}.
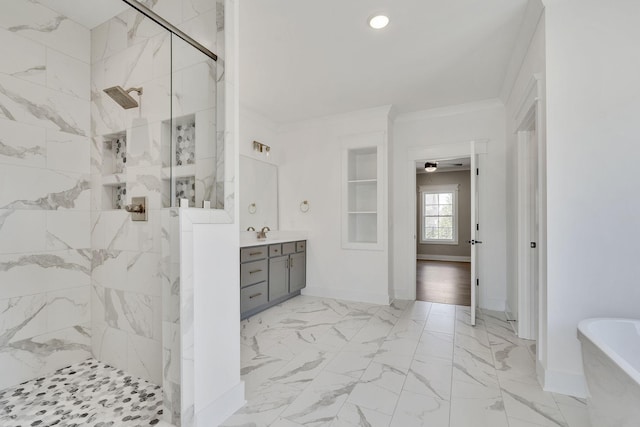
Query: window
{"points": [[438, 214]]}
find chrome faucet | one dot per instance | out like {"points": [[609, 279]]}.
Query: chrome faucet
{"points": [[251, 229], [262, 234]]}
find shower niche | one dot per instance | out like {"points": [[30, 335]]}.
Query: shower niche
{"points": [[114, 160], [189, 144]]}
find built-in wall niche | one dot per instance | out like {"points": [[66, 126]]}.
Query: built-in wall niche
{"points": [[185, 188], [361, 192], [114, 161], [114, 153], [189, 149]]}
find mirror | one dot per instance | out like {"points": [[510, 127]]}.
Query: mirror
{"points": [[258, 199]]}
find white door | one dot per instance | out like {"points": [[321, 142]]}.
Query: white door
{"points": [[528, 234], [474, 232], [534, 218]]}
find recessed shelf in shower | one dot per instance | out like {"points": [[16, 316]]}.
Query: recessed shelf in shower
{"points": [[114, 160]]}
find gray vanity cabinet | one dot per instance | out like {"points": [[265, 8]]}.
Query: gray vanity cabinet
{"points": [[297, 271], [278, 277], [270, 274]]}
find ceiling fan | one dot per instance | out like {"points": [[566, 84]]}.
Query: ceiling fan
{"points": [[433, 166]]}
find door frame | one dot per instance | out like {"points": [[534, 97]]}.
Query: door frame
{"points": [[531, 301], [435, 152]]}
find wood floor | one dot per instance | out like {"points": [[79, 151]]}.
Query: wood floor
{"points": [[444, 282]]}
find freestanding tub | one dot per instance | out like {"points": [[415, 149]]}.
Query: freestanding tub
{"points": [[611, 357]]}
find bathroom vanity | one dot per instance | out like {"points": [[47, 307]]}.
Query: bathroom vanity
{"points": [[270, 273]]}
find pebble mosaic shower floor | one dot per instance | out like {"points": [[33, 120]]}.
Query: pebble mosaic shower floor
{"points": [[88, 394]]}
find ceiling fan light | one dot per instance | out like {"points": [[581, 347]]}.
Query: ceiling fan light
{"points": [[430, 167], [378, 22]]}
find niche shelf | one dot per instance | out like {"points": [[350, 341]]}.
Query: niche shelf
{"points": [[114, 161], [179, 146], [361, 193]]}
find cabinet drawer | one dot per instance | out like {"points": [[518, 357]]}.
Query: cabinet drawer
{"points": [[275, 250], [288, 248], [253, 296], [253, 253], [253, 272], [301, 246]]}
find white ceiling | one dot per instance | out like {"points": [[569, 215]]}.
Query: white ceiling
{"points": [[447, 165], [303, 59], [89, 13]]}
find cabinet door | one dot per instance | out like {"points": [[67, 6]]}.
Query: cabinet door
{"points": [[278, 277], [297, 271]]}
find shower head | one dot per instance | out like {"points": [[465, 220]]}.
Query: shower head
{"points": [[122, 97]]}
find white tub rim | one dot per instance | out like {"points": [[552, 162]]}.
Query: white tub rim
{"points": [[585, 332]]}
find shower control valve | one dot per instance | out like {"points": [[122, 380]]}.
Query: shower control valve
{"points": [[138, 208]]}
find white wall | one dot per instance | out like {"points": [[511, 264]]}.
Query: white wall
{"points": [[593, 105], [255, 127], [451, 126], [310, 169]]}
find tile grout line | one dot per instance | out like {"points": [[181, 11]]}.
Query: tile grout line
{"points": [[395, 408], [453, 355], [493, 359]]}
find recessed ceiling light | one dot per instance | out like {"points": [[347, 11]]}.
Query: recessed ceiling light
{"points": [[378, 22]]}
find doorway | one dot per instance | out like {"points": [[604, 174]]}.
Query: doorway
{"points": [[528, 294], [443, 218], [474, 149]]}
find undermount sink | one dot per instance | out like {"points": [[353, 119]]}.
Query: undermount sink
{"points": [[250, 238]]}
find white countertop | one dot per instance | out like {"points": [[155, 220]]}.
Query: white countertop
{"points": [[250, 238]]}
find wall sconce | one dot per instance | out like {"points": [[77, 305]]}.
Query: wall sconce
{"points": [[261, 148]]}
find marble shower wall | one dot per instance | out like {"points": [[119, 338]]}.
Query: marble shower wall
{"points": [[126, 305], [136, 265], [45, 257]]}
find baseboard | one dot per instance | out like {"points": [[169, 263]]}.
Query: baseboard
{"points": [[348, 295], [453, 258], [222, 408], [402, 294], [567, 383], [508, 312]]}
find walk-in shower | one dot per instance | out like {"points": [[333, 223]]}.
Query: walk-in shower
{"points": [[90, 301]]}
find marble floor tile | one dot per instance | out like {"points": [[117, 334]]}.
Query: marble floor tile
{"points": [[354, 415], [385, 375], [574, 410], [478, 413], [525, 400], [437, 322], [349, 363], [430, 376], [300, 371], [320, 362], [260, 369], [321, 401], [400, 346], [265, 404], [374, 397], [418, 310], [283, 422], [435, 344], [419, 410]]}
